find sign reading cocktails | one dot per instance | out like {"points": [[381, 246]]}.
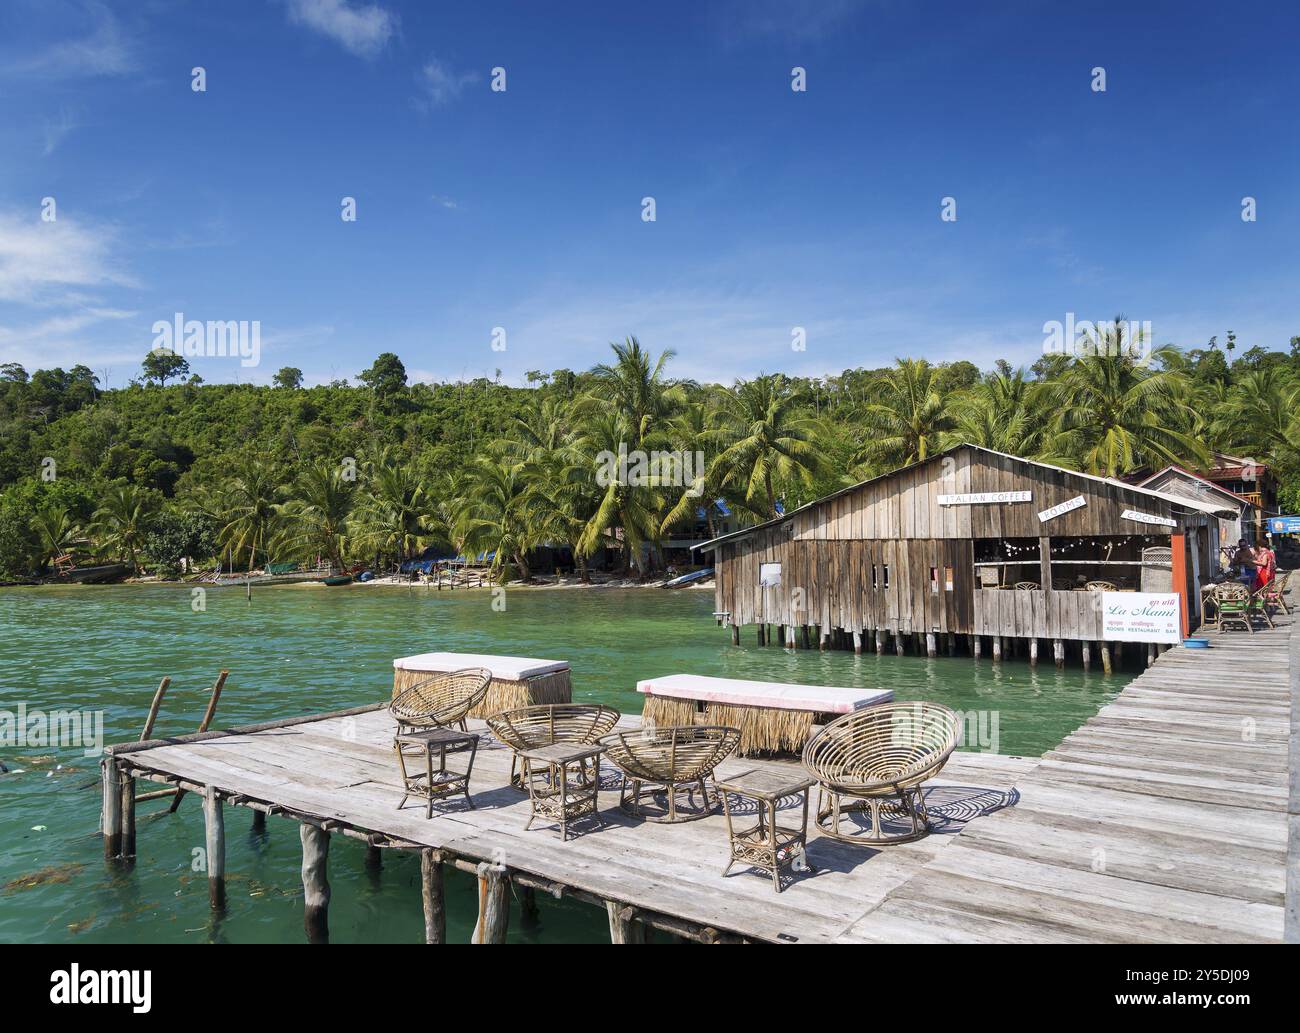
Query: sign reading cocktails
{"points": [[981, 497], [1147, 518], [1140, 617]]}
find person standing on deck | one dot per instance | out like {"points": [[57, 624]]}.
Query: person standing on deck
{"points": [[1265, 565]]}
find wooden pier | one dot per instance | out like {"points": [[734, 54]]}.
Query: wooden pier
{"points": [[1164, 818]]}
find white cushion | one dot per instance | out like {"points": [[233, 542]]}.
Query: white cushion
{"points": [[821, 699], [503, 668]]}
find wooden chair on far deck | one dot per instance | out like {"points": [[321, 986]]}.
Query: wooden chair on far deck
{"points": [[1101, 586], [1027, 586], [1232, 604], [1275, 592]]}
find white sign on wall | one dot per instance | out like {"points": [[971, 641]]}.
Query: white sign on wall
{"points": [[769, 575], [981, 497], [1140, 617], [1078, 502], [1147, 518]]}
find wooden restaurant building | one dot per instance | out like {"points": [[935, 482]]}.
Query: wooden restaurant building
{"points": [[973, 547]]}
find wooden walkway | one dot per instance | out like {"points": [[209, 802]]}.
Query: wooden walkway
{"points": [[1163, 818]]}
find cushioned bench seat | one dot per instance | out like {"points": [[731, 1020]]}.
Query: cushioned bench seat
{"points": [[517, 681], [773, 717]]}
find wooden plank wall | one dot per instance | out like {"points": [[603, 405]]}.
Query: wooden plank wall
{"points": [[836, 553]]}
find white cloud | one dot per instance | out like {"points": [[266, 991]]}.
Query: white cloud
{"points": [[57, 129], [441, 84], [446, 202], [363, 29], [45, 263], [104, 51]]}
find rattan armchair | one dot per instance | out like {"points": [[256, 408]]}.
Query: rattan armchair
{"points": [[1275, 592], [669, 760], [875, 760], [441, 701], [1232, 605], [1101, 586], [527, 728]]}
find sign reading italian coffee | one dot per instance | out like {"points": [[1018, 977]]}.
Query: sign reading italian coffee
{"points": [[1078, 502], [1140, 617], [1147, 518], [982, 497]]}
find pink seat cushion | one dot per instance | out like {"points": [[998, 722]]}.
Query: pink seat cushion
{"points": [[503, 668], [821, 699]]}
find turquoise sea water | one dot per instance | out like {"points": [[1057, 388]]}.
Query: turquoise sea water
{"points": [[294, 650]]}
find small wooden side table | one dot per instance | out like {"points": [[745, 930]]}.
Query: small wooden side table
{"points": [[766, 844], [430, 784], [550, 794]]}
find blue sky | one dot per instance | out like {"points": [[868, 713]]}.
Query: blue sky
{"points": [[522, 209]]}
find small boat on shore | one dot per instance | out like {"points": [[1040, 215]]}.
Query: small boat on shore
{"points": [[92, 575], [338, 579]]}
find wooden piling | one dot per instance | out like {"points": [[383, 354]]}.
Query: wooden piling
{"points": [[431, 892], [1033, 652], [1105, 657], [976, 645], [898, 643], [374, 858], [857, 643], [997, 647], [735, 634], [158, 695], [952, 644], [623, 926], [931, 648], [493, 904], [1086, 649], [203, 727], [1151, 653], [315, 882], [259, 821], [880, 642], [111, 819], [1058, 652], [128, 816], [215, 843]]}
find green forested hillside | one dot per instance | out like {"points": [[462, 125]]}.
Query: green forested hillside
{"points": [[155, 471]]}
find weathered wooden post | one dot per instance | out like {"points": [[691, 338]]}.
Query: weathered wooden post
{"points": [[880, 642], [976, 645], [735, 634], [215, 844], [315, 882], [623, 926], [898, 642], [952, 644], [931, 649], [493, 904], [431, 892], [1058, 652], [128, 815], [259, 821], [1151, 653], [374, 857], [111, 823], [997, 647], [1105, 657], [1033, 652], [1086, 648], [857, 643]]}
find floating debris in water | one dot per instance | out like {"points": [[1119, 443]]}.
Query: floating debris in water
{"points": [[38, 828], [44, 877], [82, 926]]}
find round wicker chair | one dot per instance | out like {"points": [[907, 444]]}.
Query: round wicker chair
{"points": [[1101, 586], [441, 701], [526, 728], [875, 760], [669, 760]]}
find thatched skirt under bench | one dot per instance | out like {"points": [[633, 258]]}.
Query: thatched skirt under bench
{"points": [[509, 690]]}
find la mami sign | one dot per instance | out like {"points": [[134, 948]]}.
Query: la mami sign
{"points": [[1078, 502], [984, 497]]}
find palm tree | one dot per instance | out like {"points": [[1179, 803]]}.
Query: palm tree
{"points": [[1005, 411], [764, 442], [1116, 413], [630, 407], [907, 421], [500, 513], [1261, 414], [249, 510], [322, 504], [394, 515], [122, 520], [57, 532]]}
